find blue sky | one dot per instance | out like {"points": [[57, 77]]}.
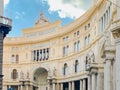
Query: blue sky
{"points": [[24, 13]]}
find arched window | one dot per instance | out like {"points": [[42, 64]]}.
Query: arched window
{"points": [[65, 71], [13, 58], [14, 74], [17, 58], [76, 66], [67, 49], [78, 45], [63, 51], [75, 46], [85, 41], [88, 38]]}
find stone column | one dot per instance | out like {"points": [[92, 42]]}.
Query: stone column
{"points": [[9, 87], [108, 75], [100, 81], [48, 85], [73, 87], [21, 87], [93, 81], [116, 34], [81, 85], [84, 84], [53, 86], [109, 53], [61, 86], [89, 82], [114, 75], [57, 86], [69, 85], [36, 55], [27, 87], [40, 56]]}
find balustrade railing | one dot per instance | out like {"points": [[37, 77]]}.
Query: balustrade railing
{"points": [[5, 21]]}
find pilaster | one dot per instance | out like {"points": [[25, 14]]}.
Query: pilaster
{"points": [[109, 58], [73, 85], [69, 85], [116, 34], [94, 79]]}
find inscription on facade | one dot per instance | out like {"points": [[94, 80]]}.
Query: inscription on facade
{"points": [[41, 33]]}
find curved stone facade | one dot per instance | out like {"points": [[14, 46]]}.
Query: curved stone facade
{"points": [[78, 56]]}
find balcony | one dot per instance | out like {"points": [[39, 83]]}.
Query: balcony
{"points": [[5, 25]]}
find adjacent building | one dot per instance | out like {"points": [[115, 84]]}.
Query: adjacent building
{"points": [[83, 55]]}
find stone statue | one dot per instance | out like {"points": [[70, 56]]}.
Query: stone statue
{"points": [[49, 72], [42, 19], [54, 71], [107, 38], [27, 74], [92, 58], [21, 75]]}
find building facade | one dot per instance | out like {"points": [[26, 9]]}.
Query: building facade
{"points": [[83, 55]]}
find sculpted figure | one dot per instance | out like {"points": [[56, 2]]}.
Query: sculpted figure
{"points": [[54, 71], [22, 74], [27, 74], [107, 38], [93, 58]]}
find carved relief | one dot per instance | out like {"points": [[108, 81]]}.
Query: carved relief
{"points": [[116, 34], [42, 19], [21, 75], [27, 76], [54, 71], [90, 58], [107, 36]]}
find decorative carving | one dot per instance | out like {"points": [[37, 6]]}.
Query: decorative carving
{"points": [[90, 58], [49, 72], [42, 19], [54, 71], [21, 75], [107, 38], [116, 33], [27, 75]]}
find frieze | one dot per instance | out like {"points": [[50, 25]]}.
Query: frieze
{"points": [[41, 33], [41, 45]]}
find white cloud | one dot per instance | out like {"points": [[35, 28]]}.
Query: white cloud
{"points": [[66, 8], [6, 2], [18, 15]]}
